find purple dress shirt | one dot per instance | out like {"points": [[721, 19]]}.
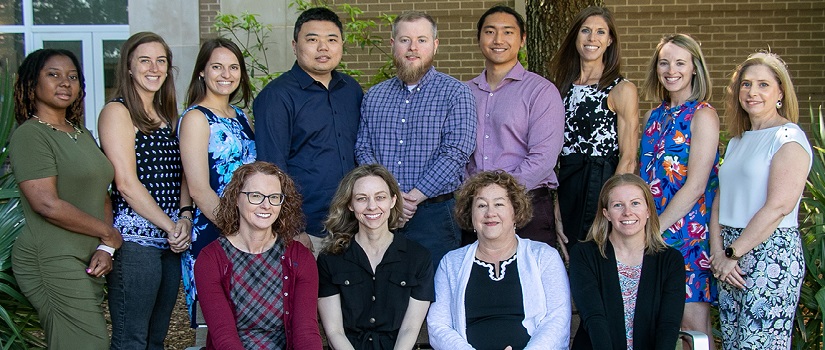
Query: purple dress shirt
{"points": [[520, 127]]}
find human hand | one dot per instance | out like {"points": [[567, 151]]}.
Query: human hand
{"points": [[100, 264], [113, 239], [727, 270], [181, 237], [410, 206], [508, 347], [561, 242]]}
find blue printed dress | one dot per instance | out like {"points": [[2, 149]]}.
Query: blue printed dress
{"points": [[665, 152], [231, 144]]}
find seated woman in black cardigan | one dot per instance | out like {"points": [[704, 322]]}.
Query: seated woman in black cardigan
{"points": [[624, 259]]}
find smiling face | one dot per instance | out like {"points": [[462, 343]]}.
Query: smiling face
{"points": [[261, 216], [148, 67], [627, 211], [413, 48], [758, 91], [593, 39], [493, 214], [318, 49], [58, 84], [371, 202], [222, 73], [675, 71], [500, 39]]}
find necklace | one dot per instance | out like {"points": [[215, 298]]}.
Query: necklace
{"points": [[77, 131]]}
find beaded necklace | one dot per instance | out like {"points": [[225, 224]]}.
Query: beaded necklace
{"points": [[77, 131]]}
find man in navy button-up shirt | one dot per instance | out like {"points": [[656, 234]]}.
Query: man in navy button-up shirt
{"points": [[306, 120]]}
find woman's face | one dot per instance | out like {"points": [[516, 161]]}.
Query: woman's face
{"points": [[260, 216], [758, 91], [371, 202], [149, 67], [222, 73], [493, 213], [593, 39], [58, 84], [675, 71], [627, 211]]}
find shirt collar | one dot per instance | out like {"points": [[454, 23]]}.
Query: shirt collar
{"points": [[515, 73], [305, 80], [393, 253], [421, 82]]}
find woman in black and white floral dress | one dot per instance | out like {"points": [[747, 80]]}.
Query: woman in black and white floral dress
{"points": [[601, 124]]}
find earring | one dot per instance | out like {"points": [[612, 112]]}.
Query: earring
{"points": [[779, 104]]}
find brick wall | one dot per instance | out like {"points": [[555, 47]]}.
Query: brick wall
{"points": [[729, 30], [208, 10]]}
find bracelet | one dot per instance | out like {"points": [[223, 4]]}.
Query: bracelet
{"points": [[185, 218], [186, 208], [107, 249]]}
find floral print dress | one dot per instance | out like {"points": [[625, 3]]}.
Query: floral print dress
{"points": [[231, 144], [665, 150]]}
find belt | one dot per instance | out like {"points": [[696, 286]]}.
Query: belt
{"points": [[541, 192], [438, 199]]}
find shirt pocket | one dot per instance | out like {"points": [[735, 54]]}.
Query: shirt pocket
{"points": [[403, 280]]}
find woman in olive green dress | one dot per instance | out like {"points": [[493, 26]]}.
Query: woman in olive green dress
{"points": [[67, 243]]}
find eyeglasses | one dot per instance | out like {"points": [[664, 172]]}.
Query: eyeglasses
{"points": [[256, 198]]}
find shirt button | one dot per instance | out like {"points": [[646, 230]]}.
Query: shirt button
{"points": [[408, 101], [286, 294], [346, 283], [491, 94], [487, 115], [401, 141], [286, 277], [287, 312], [372, 320], [403, 120], [486, 136], [399, 162], [403, 283], [373, 298], [370, 338], [373, 278], [485, 157]]}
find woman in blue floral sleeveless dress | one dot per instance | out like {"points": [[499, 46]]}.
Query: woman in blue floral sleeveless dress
{"points": [[215, 139], [679, 161]]}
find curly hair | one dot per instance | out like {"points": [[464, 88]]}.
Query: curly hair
{"points": [[738, 120], [341, 222], [565, 67], [28, 74], [700, 84], [164, 100], [600, 230], [290, 221], [516, 192]]}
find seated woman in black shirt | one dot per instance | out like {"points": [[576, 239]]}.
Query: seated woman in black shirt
{"points": [[375, 287]]}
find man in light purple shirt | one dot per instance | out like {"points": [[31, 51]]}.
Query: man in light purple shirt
{"points": [[520, 119]]}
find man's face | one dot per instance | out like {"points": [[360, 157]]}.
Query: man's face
{"points": [[319, 48], [500, 39], [413, 49]]}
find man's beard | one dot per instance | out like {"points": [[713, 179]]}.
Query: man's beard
{"points": [[410, 72]]}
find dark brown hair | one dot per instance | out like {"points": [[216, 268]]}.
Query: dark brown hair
{"points": [[290, 221], [28, 75], [197, 87], [516, 192], [565, 67]]}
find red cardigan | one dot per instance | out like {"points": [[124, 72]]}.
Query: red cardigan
{"points": [[213, 277]]}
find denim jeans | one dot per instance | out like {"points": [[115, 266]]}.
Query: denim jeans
{"points": [[433, 226], [143, 289]]}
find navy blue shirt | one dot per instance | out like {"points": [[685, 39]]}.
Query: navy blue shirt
{"points": [[309, 131]]}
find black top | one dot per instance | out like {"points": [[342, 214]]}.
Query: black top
{"points": [[594, 284], [373, 305], [495, 307]]}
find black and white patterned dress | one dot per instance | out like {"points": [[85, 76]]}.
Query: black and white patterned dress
{"points": [[159, 169], [589, 156]]}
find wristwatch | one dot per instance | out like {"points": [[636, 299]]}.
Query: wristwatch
{"points": [[731, 253]]}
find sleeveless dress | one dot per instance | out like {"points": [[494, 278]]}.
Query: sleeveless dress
{"points": [[665, 150], [589, 156], [231, 144]]}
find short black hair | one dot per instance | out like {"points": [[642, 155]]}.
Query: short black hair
{"points": [[497, 9], [317, 14]]}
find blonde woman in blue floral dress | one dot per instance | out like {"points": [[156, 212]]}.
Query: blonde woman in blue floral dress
{"points": [[679, 161], [756, 248], [215, 139]]}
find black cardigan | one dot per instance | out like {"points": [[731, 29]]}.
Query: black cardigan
{"points": [[594, 284]]}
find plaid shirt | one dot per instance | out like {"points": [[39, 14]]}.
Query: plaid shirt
{"points": [[424, 136]]}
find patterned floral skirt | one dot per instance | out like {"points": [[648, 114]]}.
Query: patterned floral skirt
{"points": [[761, 315]]}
